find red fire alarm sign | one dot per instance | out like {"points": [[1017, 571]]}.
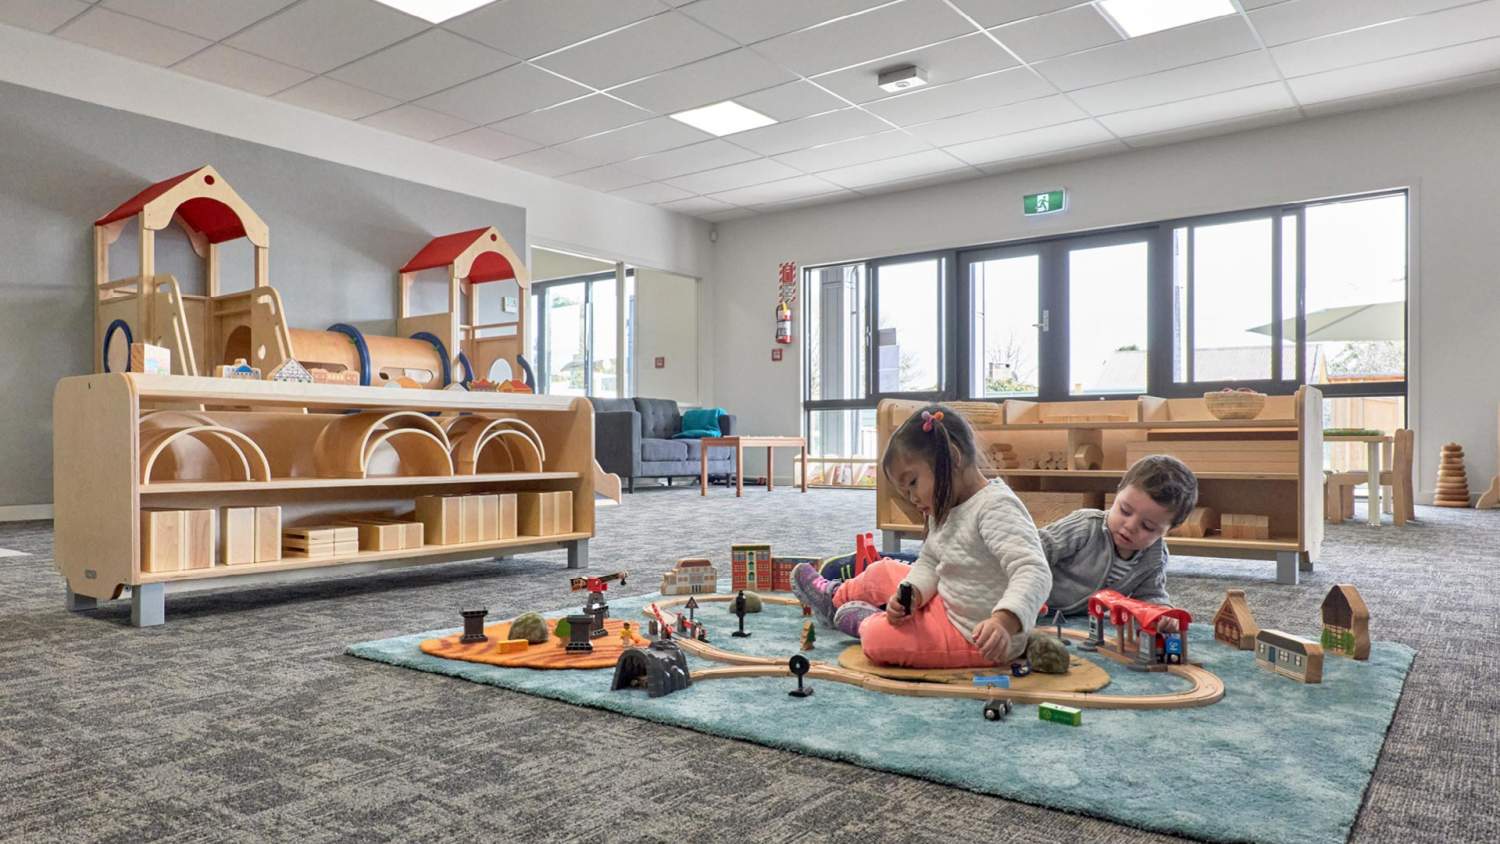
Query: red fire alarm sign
{"points": [[775, 354], [661, 363]]}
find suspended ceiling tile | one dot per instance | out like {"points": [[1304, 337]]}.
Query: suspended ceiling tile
{"points": [[419, 66], [643, 48], [970, 95], [1034, 142], [809, 131], [1017, 117], [529, 28], [694, 158], [949, 61], [417, 122], [1389, 40], [791, 101], [1301, 19], [734, 176], [547, 162], [1214, 108], [131, 37], [1057, 34], [487, 143], [1199, 42], [871, 35], [857, 151], [604, 179], [575, 119], [711, 80], [40, 15], [336, 98], [651, 136], [238, 69], [323, 35], [652, 193], [995, 12], [211, 19], [1210, 77], [505, 93], [748, 23], [894, 169]]}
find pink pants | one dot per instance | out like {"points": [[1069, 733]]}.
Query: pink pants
{"points": [[926, 639]]}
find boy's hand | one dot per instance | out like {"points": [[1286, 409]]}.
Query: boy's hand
{"points": [[1168, 625], [894, 611], [992, 639]]}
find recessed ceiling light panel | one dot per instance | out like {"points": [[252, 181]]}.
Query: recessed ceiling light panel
{"points": [[724, 118], [1143, 17], [435, 11]]}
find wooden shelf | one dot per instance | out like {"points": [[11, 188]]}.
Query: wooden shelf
{"points": [[1119, 473], [293, 563], [1162, 425], [272, 394], [178, 487], [1177, 544]]}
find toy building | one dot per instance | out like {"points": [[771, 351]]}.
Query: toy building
{"points": [[781, 570], [750, 567], [1136, 633], [1346, 623], [1290, 656], [662, 669], [691, 576], [1234, 624]]}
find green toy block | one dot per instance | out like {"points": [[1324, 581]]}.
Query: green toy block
{"points": [[1059, 714]]}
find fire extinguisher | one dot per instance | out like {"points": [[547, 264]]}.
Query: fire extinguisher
{"points": [[783, 322]]}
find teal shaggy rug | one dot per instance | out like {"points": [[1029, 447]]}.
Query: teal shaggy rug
{"points": [[1274, 761]]}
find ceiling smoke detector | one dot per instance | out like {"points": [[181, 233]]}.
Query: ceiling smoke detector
{"points": [[902, 78]]}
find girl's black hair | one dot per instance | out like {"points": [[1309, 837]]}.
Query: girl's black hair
{"points": [[947, 448]]}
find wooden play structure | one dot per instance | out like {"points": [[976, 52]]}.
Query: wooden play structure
{"points": [[1270, 466], [205, 331], [147, 467]]}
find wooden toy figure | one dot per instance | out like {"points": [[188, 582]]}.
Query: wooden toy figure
{"points": [[627, 637], [739, 611], [808, 636]]}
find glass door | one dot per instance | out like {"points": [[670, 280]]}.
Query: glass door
{"points": [[908, 342], [565, 340]]}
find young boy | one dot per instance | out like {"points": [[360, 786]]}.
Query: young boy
{"points": [[1122, 548]]}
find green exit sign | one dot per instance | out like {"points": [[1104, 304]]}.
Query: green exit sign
{"points": [[1050, 202]]}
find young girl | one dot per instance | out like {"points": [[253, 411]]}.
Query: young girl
{"points": [[981, 576]]}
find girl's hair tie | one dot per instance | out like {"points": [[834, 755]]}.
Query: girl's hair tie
{"points": [[929, 419]]}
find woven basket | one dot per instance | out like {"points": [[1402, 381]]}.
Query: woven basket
{"points": [[1235, 404]]}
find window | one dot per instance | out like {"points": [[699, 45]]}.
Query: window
{"points": [[1224, 301], [1107, 339], [576, 329], [1356, 291], [909, 336], [835, 331]]}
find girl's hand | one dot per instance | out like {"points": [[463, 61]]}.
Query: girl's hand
{"points": [[992, 639], [1167, 625], [895, 613]]}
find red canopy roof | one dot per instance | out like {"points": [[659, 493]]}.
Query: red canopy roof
{"points": [[216, 221], [442, 251], [1120, 608]]}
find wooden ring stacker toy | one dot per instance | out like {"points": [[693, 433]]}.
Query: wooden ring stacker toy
{"points": [[1207, 688]]}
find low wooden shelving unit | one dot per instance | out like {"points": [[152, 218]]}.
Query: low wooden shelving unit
{"points": [[1271, 465], [124, 443]]}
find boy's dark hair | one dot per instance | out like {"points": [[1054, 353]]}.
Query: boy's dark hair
{"points": [[1168, 481], [947, 436]]}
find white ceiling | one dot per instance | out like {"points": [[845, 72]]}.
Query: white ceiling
{"points": [[578, 89]]}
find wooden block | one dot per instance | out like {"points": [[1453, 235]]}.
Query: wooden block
{"points": [[507, 516], [1244, 526], [237, 539], [470, 515], [509, 646], [378, 536], [267, 534], [442, 519], [489, 517], [161, 540], [150, 360], [319, 537], [544, 513], [198, 539], [1199, 523]]}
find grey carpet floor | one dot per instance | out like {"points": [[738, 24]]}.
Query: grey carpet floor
{"points": [[241, 720]]}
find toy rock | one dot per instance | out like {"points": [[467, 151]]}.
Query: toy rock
{"points": [[1047, 654], [752, 603], [529, 626]]}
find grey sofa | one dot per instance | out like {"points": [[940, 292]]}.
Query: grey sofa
{"points": [[633, 439]]}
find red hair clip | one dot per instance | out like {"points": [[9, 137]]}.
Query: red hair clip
{"points": [[928, 419]]}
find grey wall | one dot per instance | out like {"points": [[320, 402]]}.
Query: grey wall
{"points": [[338, 234]]}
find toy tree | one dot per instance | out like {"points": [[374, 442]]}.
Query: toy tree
{"points": [[563, 629], [809, 635]]}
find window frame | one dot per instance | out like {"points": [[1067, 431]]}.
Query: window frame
{"points": [[541, 365]]}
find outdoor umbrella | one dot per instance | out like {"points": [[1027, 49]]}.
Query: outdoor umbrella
{"points": [[1374, 321]]}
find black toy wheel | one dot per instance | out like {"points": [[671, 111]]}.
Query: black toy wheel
{"points": [[991, 712]]}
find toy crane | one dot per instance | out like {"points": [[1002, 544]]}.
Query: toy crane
{"points": [[595, 606]]}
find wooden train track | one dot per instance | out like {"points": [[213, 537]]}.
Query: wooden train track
{"points": [[1207, 687]]}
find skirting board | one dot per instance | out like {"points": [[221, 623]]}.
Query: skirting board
{"points": [[25, 512]]}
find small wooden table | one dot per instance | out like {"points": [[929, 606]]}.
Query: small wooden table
{"points": [[1375, 443], [739, 444]]}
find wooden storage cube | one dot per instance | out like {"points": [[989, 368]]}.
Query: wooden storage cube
{"points": [[544, 513], [1206, 455], [489, 516], [442, 519], [378, 536], [321, 541], [1048, 507], [506, 516], [1244, 526], [267, 534], [471, 517], [177, 540]]}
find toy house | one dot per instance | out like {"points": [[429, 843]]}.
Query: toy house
{"points": [[1346, 623], [691, 576], [1234, 625], [750, 567], [781, 570], [1136, 632], [1290, 656]]}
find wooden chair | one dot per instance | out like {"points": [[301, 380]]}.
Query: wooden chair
{"points": [[1338, 488]]}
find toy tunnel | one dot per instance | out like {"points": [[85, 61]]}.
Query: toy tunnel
{"points": [[201, 452], [485, 446], [377, 443], [378, 359]]}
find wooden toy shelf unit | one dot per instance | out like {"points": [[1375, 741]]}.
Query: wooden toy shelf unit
{"points": [[124, 444], [1271, 465]]}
